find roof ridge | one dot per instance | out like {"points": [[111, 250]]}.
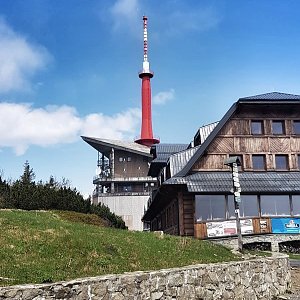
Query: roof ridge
{"points": [[272, 96]]}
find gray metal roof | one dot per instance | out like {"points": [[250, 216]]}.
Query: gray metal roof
{"points": [[205, 131], [273, 96], [178, 160], [169, 148], [162, 157], [161, 154], [105, 145], [251, 182]]}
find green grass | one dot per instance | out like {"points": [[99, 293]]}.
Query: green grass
{"points": [[38, 246], [294, 256]]}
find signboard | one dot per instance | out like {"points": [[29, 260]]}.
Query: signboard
{"points": [[218, 229], [285, 225]]}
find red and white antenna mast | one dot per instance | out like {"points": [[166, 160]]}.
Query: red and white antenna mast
{"points": [[146, 138]]}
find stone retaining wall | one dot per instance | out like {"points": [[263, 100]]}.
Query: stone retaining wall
{"points": [[260, 278], [274, 239]]}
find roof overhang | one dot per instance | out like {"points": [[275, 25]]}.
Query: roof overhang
{"points": [[105, 146]]}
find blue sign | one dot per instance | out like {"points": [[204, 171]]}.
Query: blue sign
{"points": [[285, 225]]}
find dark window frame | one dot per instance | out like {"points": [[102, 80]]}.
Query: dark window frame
{"points": [[264, 162], [282, 130], [274, 209], [277, 163], [207, 213], [296, 129], [253, 128]]}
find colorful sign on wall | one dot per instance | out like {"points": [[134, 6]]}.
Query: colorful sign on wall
{"points": [[217, 229], [285, 225]]}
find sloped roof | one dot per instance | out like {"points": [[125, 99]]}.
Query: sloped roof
{"points": [[105, 145], [178, 160], [163, 151], [273, 96], [161, 154], [251, 182], [269, 97], [205, 130]]}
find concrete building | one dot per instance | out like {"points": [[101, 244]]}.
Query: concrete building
{"points": [[122, 183]]}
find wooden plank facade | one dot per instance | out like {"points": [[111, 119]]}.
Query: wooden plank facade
{"points": [[264, 131]]}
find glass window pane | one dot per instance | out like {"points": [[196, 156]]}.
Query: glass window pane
{"points": [[275, 205], [281, 162], [210, 207], [258, 162], [249, 206], [230, 202], [298, 161], [256, 127], [278, 127], [218, 206], [203, 208], [296, 127], [296, 205]]}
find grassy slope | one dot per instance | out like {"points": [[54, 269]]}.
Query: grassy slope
{"points": [[41, 247]]}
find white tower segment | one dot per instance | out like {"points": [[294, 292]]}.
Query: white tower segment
{"points": [[146, 66]]}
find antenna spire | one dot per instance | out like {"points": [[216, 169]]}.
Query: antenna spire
{"points": [[146, 65], [145, 19], [146, 138]]}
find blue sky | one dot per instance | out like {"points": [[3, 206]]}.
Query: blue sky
{"points": [[70, 68]]}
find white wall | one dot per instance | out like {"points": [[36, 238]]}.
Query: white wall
{"points": [[130, 208]]}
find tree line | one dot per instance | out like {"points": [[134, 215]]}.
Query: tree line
{"points": [[25, 193]]}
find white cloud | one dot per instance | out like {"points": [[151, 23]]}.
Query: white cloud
{"points": [[163, 97], [19, 59], [22, 125], [120, 126], [192, 20], [125, 15]]}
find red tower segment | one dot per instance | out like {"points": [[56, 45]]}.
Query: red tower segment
{"points": [[146, 138]]}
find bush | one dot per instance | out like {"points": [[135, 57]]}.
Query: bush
{"points": [[26, 194]]}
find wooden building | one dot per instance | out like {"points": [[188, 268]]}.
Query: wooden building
{"points": [[194, 196]]}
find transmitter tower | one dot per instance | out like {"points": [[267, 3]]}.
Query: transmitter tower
{"points": [[146, 137]]}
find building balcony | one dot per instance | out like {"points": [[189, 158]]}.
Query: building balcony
{"points": [[99, 194], [102, 179]]}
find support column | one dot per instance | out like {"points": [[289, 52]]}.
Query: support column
{"points": [[274, 246]]}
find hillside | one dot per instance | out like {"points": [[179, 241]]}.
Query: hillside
{"points": [[48, 246]]}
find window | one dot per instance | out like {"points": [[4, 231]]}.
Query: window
{"points": [[127, 188], [128, 158], [210, 207], [281, 162], [275, 205], [296, 127], [296, 205], [258, 162], [298, 156], [230, 206], [257, 127], [278, 127], [120, 159], [248, 206]]}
